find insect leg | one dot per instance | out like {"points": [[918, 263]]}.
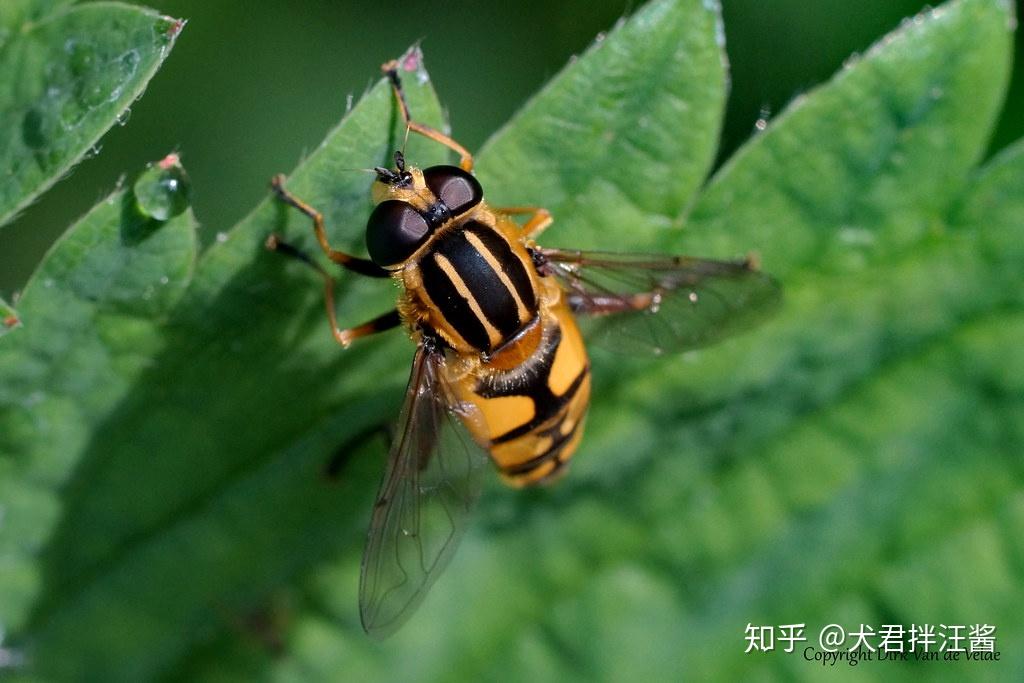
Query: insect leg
{"points": [[538, 222], [390, 70], [347, 336], [353, 263]]}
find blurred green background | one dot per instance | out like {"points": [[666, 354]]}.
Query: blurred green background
{"points": [[230, 99]]}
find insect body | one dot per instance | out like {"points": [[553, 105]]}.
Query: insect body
{"points": [[500, 367], [516, 355]]}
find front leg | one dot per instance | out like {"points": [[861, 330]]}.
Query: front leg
{"points": [[537, 223], [353, 263], [342, 336], [390, 70]]}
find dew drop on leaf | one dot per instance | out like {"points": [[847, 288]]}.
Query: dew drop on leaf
{"points": [[163, 190], [762, 119]]}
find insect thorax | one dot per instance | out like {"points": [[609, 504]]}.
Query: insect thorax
{"points": [[475, 286]]}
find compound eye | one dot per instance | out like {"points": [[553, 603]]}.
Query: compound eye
{"points": [[457, 189], [394, 231]]}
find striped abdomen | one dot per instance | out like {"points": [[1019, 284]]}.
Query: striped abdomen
{"points": [[477, 288], [534, 410], [527, 369]]}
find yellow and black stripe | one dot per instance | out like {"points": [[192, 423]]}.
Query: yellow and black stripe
{"points": [[555, 381], [534, 410], [476, 286], [480, 287]]}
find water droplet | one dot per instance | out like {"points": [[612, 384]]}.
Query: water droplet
{"points": [[162, 191], [164, 279], [851, 61], [123, 117], [130, 61], [762, 118], [599, 38], [222, 237]]}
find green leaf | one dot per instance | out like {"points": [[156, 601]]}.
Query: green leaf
{"points": [[993, 209], [855, 460], [620, 141], [850, 173], [92, 581], [68, 73], [89, 324], [14, 14]]}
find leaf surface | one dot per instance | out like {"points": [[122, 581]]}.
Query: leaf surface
{"points": [[68, 74]]}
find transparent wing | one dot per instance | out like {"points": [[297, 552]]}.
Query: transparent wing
{"points": [[661, 304], [432, 480]]}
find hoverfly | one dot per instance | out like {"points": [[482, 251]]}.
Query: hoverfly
{"points": [[501, 372]]}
